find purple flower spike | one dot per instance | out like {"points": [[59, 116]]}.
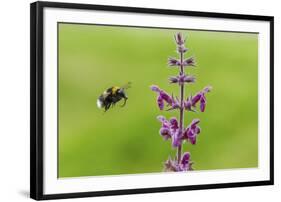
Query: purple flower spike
{"points": [[173, 128]]}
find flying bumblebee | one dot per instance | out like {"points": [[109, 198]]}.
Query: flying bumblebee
{"points": [[113, 95]]}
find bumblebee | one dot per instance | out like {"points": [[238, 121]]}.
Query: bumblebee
{"points": [[113, 95]]}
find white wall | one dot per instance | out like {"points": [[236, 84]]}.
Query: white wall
{"points": [[14, 100]]}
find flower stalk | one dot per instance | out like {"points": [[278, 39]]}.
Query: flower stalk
{"points": [[172, 128], [181, 104]]}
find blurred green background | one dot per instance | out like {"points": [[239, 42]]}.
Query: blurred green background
{"points": [[125, 140]]}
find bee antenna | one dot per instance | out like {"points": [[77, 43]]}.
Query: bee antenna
{"points": [[127, 85]]}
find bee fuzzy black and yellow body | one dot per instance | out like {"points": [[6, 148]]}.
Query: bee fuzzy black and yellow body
{"points": [[111, 96]]}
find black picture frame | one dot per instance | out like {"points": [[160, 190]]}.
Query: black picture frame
{"points": [[36, 98]]}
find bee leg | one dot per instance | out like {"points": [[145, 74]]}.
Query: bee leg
{"points": [[125, 100], [107, 107]]}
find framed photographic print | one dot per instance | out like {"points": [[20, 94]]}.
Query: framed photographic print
{"points": [[136, 100]]}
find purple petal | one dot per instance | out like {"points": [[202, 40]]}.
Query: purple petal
{"points": [[197, 130], [202, 106], [182, 49], [175, 104], [202, 103], [196, 98], [200, 96], [155, 88], [181, 79], [185, 158], [165, 133], [188, 104], [194, 123], [192, 140], [176, 140], [173, 79], [179, 39], [164, 121], [207, 89], [173, 62], [161, 118], [189, 62], [160, 102], [165, 96], [185, 164], [185, 136], [189, 79], [174, 123], [190, 134], [192, 131]]}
